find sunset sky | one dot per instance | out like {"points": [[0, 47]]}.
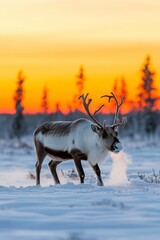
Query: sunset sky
{"points": [[50, 39]]}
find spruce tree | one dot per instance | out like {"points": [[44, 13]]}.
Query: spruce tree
{"points": [[45, 100], [124, 92], [80, 79], [147, 91], [18, 126], [147, 99]]}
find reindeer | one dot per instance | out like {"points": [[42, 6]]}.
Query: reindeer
{"points": [[79, 140]]}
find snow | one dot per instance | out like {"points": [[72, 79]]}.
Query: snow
{"points": [[125, 208]]}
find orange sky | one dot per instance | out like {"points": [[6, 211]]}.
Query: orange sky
{"points": [[50, 39]]}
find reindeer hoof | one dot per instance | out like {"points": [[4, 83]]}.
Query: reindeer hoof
{"points": [[100, 183]]}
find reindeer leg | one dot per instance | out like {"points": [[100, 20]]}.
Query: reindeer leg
{"points": [[77, 157], [38, 171], [79, 168], [97, 171], [40, 157], [53, 165]]}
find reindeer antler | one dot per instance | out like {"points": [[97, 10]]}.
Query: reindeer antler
{"points": [[86, 103], [116, 122]]}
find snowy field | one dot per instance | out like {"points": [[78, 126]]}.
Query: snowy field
{"points": [[125, 208]]}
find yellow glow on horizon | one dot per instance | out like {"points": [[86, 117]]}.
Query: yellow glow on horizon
{"points": [[50, 40]]}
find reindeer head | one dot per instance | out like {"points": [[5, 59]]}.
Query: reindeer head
{"points": [[107, 133]]}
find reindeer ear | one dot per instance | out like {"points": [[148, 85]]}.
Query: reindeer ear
{"points": [[95, 128], [114, 128]]}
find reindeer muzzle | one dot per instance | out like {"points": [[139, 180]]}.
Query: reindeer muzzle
{"points": [[117, 147]]}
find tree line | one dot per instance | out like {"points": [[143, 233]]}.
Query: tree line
{"points": [[145, 108]]}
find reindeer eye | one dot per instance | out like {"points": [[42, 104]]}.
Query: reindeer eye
{"points": [[104, 134]]}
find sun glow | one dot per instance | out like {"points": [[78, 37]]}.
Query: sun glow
{"points": [[50, 40]]}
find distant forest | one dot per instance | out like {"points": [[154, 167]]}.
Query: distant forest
{"points": [[143, 116]]}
